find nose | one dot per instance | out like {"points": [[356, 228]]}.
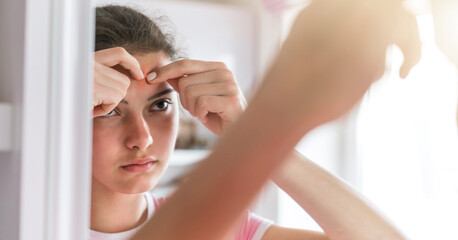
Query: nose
{"points": [[138, 135]]}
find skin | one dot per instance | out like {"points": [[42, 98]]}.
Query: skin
{"points": [[325, 66]]}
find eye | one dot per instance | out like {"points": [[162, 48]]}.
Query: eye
{"points": [[161, 105], [110, 114]]}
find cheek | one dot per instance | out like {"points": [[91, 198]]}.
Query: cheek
{"points": [[101, 137], [104, 144], [165, 132]]}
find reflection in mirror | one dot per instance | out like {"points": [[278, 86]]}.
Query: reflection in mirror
{"points": [[139, 146]]}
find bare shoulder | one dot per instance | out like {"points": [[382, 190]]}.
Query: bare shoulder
{"points": [[276, 232]]}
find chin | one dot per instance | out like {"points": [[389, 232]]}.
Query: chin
{"points": [[136, 189], [140, 185]]}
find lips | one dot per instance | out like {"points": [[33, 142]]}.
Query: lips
{"points": [[139, 165]]}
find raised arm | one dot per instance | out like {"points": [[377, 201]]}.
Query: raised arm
{"points": [[339, 209]]}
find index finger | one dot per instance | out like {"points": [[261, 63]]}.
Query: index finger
{"points": [[119, 56], [181, 68]]}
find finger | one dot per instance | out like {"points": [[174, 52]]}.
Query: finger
{"points": [[107, 83], [106, 99], [101, 110], [193, 92], [107, 95], [219, 75], [227, 108], [110, 77], [119, 56], [410, 44], [181, 68]]}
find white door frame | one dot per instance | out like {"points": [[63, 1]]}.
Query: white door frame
{"points": [[56, 120]]}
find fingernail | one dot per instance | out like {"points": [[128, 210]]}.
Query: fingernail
{"points": [[142, 75], [151, 76]]}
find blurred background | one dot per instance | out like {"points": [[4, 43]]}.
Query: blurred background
{"points": [[399, 146]]}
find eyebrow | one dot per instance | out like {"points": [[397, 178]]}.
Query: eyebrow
{"points": [[157, 95]]}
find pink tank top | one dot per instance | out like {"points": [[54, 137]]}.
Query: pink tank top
{"points": [[251, 226]]}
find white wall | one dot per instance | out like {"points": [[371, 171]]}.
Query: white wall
{"points": [[35, 201], [11, 74]]}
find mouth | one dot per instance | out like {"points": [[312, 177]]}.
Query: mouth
{"points": [[139, 165]]}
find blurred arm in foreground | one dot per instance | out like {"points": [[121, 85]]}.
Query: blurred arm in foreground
{"points": [[335, 51]]}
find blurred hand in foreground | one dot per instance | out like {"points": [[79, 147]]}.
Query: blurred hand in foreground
{"points": [[335, 51]]}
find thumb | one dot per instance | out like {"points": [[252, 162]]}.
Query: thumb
{"points": [[408, 40], [102, 109], [98, 111]]}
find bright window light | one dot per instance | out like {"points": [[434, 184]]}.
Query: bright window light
{"points": [[408, 144]]}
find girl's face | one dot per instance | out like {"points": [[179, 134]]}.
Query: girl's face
{"points": [[132, 144]]}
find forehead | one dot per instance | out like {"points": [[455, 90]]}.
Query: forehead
{"points": [[150, 61]]}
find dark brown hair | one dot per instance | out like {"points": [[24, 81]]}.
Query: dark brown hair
{"points": [[120, 26]]}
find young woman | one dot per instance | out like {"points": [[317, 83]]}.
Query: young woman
{"points": [[135, 127]]}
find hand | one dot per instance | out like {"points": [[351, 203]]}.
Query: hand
{"points": [[113, 69], [335, 51], [207, 90]]}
